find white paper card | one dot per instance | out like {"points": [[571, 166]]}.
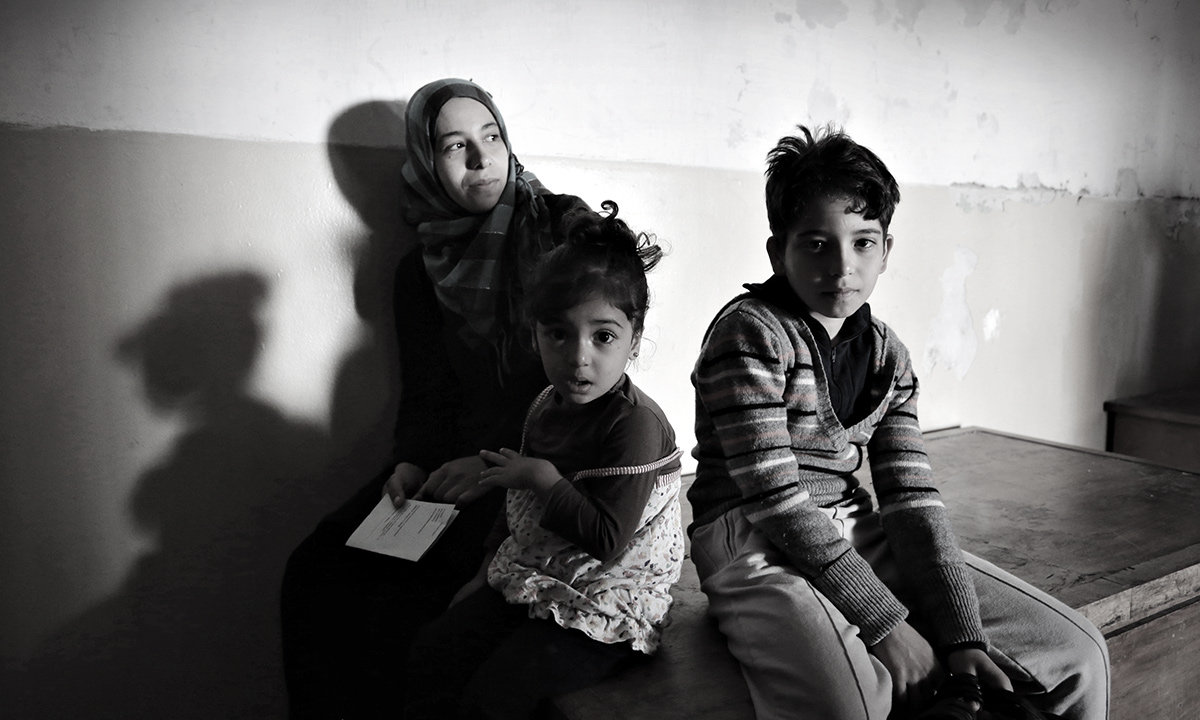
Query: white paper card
{"points": [[403, 532]]}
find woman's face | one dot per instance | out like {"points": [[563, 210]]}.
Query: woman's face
{"points": [[469, 154]]}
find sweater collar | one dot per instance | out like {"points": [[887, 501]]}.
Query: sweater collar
{"points": [[777, 291]]}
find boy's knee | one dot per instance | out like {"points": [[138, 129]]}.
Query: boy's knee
{"points": [[1082, 691], [1097, 667], [1092, 651]]}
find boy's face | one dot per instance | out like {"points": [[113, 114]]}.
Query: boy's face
{"points": [[831, 257]]}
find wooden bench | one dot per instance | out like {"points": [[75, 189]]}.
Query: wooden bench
{"points": [[1112, 536]]}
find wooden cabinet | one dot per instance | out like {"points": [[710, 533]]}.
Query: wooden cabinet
{"points": [[1162, 427]]}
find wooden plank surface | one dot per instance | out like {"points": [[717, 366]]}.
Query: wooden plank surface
{"points": [[1112, 536]]}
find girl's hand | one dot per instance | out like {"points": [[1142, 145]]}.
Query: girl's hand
{"points": [[976, 662], [455, 482], [517, 472]]}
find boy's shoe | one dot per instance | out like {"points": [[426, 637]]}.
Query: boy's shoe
{"points": [[956, 699], [1006, 705], [960, 694]]}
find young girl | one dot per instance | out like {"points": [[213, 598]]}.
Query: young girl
{"points": [[581, 584]]}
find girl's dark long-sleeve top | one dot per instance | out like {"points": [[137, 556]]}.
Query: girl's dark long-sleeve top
{"points": [[769, 441], [621, 429], [601, 552]]}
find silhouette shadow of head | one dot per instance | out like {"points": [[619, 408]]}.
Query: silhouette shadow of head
{"points": [[366, 151], [201, 346], [365, 144], [238, 459], [193, 630]]}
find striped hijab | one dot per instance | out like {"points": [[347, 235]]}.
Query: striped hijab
{"points": [[469, 257]]}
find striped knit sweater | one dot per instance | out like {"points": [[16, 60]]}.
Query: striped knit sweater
{"points": [[769, 441]]}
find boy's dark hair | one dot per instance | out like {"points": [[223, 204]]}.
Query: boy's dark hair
{"points": [[805, 167], [600, 256]]}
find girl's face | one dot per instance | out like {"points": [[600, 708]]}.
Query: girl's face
{"points": [[470, 156], [586, 348]]}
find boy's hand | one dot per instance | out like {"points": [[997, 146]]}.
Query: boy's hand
{"points": [[405, 481], [517, 472], [977, 663], [914, 668], [455, 482]]}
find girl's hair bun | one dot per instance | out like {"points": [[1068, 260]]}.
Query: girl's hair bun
{"points": [[598, 254]]}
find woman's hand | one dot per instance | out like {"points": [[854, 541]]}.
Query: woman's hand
{"points": [[455, 482], [517, 472], [406, 479], [914, 668]]}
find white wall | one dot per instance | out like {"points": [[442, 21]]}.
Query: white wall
{"points": [[170, 167], [1063, 94]]}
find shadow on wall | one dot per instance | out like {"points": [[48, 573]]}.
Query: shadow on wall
{"points": [[366, 152], [193, 630], [1147, 301], [1176, 343]]}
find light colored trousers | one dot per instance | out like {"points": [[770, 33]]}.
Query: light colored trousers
{"points": [[802, 659]]}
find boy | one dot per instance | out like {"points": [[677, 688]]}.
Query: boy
{"points": [[833, 609]]}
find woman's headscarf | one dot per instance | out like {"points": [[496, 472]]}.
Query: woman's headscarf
{"points": [[468, 256]]}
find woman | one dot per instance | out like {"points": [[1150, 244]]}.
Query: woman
{"points": [[468, 372]]}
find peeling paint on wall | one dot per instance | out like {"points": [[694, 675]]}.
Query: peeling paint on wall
{"points": [[951, 342], [991, 325], [988, 123], [907, 12], [987, 199], [979, 199], [823, 105], [820, 12], [1127, 184], [737, 134], [1182, 214]]}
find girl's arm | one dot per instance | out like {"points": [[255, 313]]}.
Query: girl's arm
{"points": [[598, 514], [601, 514]]}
